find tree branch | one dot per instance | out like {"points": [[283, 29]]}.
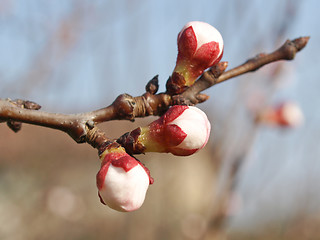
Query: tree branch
{"points": [[82, 127], [214, 75]]}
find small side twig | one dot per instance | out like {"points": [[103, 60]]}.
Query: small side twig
{"points": [[286, 52]]}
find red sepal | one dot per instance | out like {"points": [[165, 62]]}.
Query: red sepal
{"points": [[206, 53], [174, 135], [187, 43], [126, 162], [101, 175], [101, 200], [173, 112], [183, 152]]}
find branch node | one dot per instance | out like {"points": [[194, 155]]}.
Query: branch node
{"points": [[176, 84], [31, 105], [90, 124], [97, 139], [301, 42], [153, 85], [290, 48], [218, 69], [201, 97], [15, 125], [130, 142], [124, 107], [180, 99]]}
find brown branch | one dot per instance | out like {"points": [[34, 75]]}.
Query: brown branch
{"points": [[286, 52], [82, 127], [73, 124]]}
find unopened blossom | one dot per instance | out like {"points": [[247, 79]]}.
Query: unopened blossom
{"points": [[200, 46], [122, 180], [286, 114], [182, 130]]}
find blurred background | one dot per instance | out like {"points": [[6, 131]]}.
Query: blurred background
{"points": [[252, 181]]}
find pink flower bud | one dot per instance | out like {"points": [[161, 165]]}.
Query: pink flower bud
{"points": [[182, 130], [286, 114], [289, 114], [200, 46], [122, 181]]}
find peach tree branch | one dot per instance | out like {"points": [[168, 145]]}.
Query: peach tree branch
{"points": [[82, 127], [217, 75]]}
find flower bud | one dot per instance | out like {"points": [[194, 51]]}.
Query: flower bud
{"points": [[182, 131], [122, 180], [200, 46], [287, 114]]}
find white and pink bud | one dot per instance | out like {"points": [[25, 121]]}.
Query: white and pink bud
{"points": [[286, 114], [201, 43], [182, 131], [122, 181], [200, 46]]}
